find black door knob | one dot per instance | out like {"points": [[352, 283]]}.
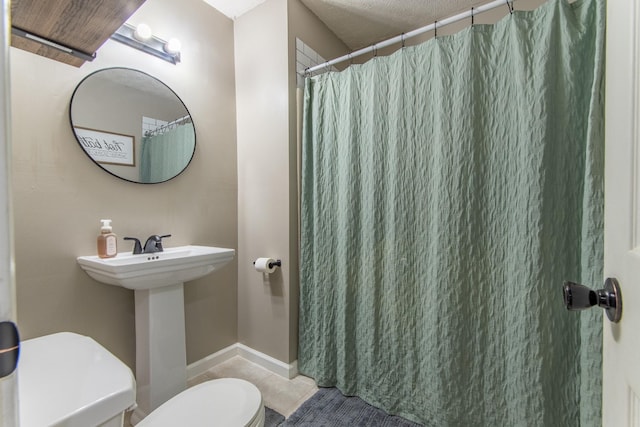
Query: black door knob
{"points": [[580, 297], [9, 348]]}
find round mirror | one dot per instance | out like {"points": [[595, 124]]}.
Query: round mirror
{"points": [[132, 125]]}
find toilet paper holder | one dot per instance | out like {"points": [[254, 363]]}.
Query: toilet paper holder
{"points": [[276, 263]]}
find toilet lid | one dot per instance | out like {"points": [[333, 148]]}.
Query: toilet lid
{"points": [[221, 402]]}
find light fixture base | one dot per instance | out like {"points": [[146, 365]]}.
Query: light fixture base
{"points": [[153, 46]]}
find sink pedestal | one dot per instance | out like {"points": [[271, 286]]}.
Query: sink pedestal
{"points": [[158, 281], [161, 361]]}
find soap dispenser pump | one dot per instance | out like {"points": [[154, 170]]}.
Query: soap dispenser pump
{"points": [[107, 240]]}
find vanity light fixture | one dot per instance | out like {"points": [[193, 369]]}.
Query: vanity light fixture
{"points": [[141, 38], [173, 46], [142, 32]]}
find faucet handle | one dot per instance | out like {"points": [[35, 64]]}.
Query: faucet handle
{"points": [[137, 247], [159, 244]]}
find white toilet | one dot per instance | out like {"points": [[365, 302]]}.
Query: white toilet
{"points": [[223, 402], [66, 379]]}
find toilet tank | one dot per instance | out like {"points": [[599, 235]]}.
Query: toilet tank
{"points": [[66, 379]]}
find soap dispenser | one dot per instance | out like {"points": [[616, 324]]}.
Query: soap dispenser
{"points": [[107, 240]]}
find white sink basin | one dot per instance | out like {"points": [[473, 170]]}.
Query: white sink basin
{"points": [[148, 271]]}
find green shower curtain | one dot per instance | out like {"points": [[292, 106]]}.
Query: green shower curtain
{"points": [[448, 190], [165, 155]]}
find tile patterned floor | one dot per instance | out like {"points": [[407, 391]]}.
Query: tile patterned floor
{"points": [[280, 394]]}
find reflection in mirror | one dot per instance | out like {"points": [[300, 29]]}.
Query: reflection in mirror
{"points": [[132, 125]]}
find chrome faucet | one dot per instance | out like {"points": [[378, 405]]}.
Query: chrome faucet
{"points": [[153, 244]]}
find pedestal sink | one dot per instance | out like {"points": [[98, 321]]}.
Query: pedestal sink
{"points": [[157, 279]]}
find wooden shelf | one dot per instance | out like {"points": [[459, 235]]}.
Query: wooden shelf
{"points": [[80, 25]]}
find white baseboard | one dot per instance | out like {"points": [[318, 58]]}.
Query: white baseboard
{"points": [[203, 365], [286, 370]]}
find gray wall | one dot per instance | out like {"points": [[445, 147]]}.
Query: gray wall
{"points": [[240, 191], [267, 168], [60, 195]]}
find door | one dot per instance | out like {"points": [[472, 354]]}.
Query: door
{"points": [[8, 388], [621, 352]]}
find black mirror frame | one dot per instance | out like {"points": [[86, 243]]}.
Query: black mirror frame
{"points": [[159, 81]]}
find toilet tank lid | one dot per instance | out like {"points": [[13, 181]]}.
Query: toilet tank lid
{"points": [[67, 378]]}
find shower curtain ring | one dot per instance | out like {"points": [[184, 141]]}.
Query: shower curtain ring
{"points": [[510, 6], [350, 58], [435, 30], [375, 50], [402, 39], [472, 16]]}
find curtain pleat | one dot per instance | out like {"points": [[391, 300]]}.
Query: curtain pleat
{"points": [[165, 155], [448, 190]]}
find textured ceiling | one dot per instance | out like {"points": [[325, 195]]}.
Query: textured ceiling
{"points": [[360, 23]]}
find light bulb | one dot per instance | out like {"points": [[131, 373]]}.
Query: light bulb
{"points": [[142, 32], [173, 46]]}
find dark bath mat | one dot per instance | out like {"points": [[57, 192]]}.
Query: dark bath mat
{"points": [[272, 418], [329, 407]]}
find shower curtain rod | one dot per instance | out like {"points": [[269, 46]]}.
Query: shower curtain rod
{"points": [[401, 38], [168, 126]]}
